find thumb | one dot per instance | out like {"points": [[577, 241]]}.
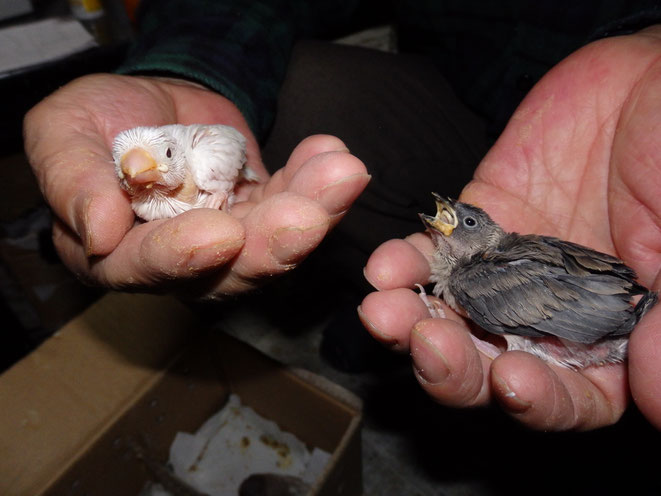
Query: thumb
{"points": [[77, 179]]}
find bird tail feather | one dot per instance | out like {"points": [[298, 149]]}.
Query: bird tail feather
{"points": [[646, 303]]}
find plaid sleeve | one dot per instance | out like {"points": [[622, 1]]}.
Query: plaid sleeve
{"points": [[239, 48]]}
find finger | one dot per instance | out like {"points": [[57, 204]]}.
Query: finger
{"points": [[317, 170], [311, 146], [159, 254], [423, 243], [447, 364], [555, 398], [333, 179], [77, 178], [396, 264], [279, 233], [305, 150], [645, 365], [390, 315]]}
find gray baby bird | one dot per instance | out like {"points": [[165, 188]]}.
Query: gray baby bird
{"points": [[566, 303]]}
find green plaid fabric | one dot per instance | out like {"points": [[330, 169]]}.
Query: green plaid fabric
{"points": [[491, 52], [239, 48]]}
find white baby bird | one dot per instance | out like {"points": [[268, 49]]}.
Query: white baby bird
{"points": [[170, 169]]}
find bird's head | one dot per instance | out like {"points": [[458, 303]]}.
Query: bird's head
{"points": [[147, 157], [460, 230]]}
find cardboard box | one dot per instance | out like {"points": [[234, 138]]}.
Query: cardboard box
{"points": [[138, 368]]}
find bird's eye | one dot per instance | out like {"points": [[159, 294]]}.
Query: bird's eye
{"points": [[168, 153], [470, 222]]}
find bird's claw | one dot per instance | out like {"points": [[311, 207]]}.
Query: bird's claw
{"points": [[435, 309]]}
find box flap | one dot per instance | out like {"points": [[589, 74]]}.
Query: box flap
{"points": [[134, 369], [87, 374]]}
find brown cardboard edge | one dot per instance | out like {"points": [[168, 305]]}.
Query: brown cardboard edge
{"points": [[343, 473], [41, 437], [260, 385], [137, 444], [171, 325]]}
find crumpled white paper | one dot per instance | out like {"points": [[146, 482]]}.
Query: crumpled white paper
{"points": [[235, 443]]}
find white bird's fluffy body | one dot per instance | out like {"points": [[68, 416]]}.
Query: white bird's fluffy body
{"points": [[170, 169]]}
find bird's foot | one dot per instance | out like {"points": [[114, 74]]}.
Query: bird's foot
{"points": [[219, 201], [435, 309], [489, 350]]}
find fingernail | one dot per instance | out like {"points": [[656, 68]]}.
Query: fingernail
{"points": [[383, 338], [333, 196], [429, 363], [207, 257], [367, 278], [508, 397], [381, 278], [81, 222], [289, 245]]}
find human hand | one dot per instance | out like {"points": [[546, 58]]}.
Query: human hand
{"points": [[580, 159], [206, 253]]}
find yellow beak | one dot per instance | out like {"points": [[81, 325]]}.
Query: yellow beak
{"points": [[139, 167], [445, 220]]}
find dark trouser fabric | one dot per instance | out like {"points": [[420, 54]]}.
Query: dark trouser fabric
{"points": [[399, 116]]}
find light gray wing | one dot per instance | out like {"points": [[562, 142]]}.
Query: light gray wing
{"points": [[534, 289], [216, 154]]}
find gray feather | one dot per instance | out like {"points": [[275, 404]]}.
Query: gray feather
{"points": [[536, 287]]}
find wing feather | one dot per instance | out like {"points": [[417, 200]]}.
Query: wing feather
{"points": [[216, 154], [536, 286]]}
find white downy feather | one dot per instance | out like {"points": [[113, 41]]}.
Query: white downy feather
{"points": [[199, 167]]}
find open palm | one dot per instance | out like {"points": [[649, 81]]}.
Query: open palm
{"points": [[203, 252], [581, 160]]}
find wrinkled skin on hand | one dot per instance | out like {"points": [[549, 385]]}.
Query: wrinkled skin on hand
{"points": [[581, 160], [205, 253]]}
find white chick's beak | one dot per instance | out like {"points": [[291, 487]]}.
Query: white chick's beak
{"points": [[139, 167]]}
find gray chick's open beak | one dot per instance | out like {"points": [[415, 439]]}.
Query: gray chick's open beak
{"points": [[446, 218]]}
